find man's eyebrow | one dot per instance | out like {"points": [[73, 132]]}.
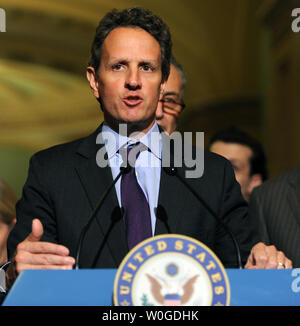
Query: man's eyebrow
{"points": [[115, 60], [171, 93], [152, 61]]}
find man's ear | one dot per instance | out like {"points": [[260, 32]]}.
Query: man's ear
{"points": [[92, 77], [256, 180]]}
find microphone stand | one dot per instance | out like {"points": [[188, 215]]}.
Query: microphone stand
{"points": [[123, 170], [172, 171]]}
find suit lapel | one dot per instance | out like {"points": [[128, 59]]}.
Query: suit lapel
{"points": [[168, 198], [95, 181]]}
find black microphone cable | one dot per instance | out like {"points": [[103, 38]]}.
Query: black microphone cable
{"points": [[123, 170], [172, 171], [117, 215]]}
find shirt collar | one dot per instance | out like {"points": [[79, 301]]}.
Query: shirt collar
{"points": [[114, 141]]}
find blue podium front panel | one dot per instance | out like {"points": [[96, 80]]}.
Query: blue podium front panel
{"points": [[264, 287], [95, 288], [85, 287]]}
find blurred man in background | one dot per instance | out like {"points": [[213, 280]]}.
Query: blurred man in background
{"points": [[246, 155], [171, 102], [7, 217], [275, 205], [7, 221]]}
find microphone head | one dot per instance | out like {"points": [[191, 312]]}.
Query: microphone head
{"points": [[117, 214], [161, 213], [125, 169], [170, 170]]}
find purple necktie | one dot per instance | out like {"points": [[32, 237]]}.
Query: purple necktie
{"points": [[136, 208]]}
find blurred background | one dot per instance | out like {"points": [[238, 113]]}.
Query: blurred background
{"points": [[241, 57]]}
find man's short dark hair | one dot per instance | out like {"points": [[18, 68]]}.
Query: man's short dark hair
{"points": [[133, 17], [258, 161]]}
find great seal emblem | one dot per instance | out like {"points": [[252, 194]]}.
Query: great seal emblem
{"points": [[171, 270]]}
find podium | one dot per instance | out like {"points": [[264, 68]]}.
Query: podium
{"points": [[89, 287]]}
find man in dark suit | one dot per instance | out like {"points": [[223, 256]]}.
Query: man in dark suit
{"points": [[130, 64], [275, 205]]}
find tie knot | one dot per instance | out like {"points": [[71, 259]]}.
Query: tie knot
{"points": [[131, 153]]}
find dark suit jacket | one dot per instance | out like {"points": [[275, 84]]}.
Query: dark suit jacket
{"points": [[275, 206], [65, 183], [2, 297]]}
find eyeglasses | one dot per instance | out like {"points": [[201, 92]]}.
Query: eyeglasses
{"points": [[171, 104]]}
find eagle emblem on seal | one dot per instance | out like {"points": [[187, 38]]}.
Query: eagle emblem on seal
{"points": [[172, 293]]}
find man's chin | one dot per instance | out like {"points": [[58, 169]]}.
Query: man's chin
{"points": [[129, 126], [138, 126]]}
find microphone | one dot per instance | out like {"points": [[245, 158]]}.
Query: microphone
{"points": [[161, 214], [123, 170], [172, 171], [117, 215]]}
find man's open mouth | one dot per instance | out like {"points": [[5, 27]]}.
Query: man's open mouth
{"points": [[132, 100]]}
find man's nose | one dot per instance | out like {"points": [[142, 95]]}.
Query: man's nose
{"points": [[133, 80], [159, 111]]}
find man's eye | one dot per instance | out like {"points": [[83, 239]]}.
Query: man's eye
{"points": [[169, 100], [117, 67], [147, 68]]}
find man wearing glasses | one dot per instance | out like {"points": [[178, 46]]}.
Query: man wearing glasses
{"points": [[171, 104]]}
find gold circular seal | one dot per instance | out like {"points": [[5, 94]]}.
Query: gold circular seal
{"points": [[171, 270]]}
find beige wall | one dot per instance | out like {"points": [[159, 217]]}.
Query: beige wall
{"points": [[13, 167]]}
